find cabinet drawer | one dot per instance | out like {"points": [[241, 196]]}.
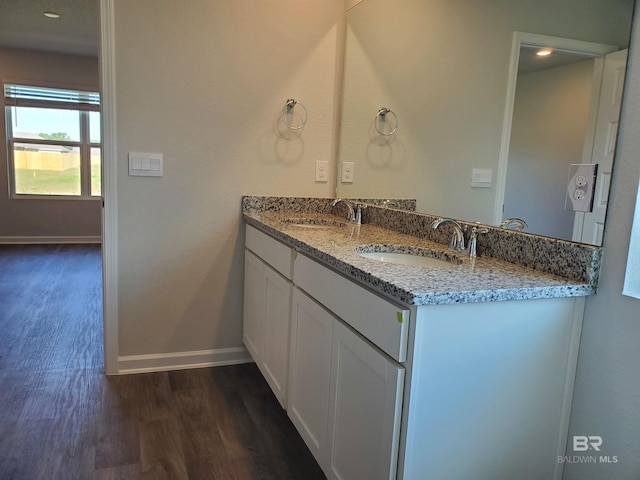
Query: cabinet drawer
{"points": [[383, 323], [276, 254]]}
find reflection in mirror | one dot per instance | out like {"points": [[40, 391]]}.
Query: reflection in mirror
{"points": [[554, 96], [443, 68]]}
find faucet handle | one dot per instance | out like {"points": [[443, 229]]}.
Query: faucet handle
{"points": [[454, 244], [473, 240], [358, 213], [518, 222]]}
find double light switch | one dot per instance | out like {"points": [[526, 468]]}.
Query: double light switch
{"points": [[145, 164]]}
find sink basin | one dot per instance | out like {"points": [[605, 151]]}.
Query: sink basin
{"points": [[313, 223], [414, 256]]}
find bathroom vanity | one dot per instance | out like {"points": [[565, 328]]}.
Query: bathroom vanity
{"points": [[463, 370]]}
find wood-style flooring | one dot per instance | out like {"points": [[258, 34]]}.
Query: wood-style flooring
{"points": [[62, 418]]}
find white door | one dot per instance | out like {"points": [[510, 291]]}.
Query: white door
{"points": [[589, 226], [364, 410], [253, 315], [277, 319], [309, 371]]}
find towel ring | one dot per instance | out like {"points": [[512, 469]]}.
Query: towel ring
{"points": [[288, 107], [382, 115]]}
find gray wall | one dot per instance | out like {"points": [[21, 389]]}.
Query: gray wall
{"points": [[29, 219], [211, 106], [442, 66], [550, 119], [205, 85], [607, 392]]}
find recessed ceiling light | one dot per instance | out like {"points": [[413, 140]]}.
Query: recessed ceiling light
{"points": [[543, 52], [51, 14]]}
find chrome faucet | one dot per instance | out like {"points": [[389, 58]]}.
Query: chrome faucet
{"points": [[351, 215], [457, 239], [518, 222], [473, 240], [457, 243], [358, 216]]}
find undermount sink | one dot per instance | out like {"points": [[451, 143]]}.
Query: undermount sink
{"points": [[313, 223], [414, 256]]}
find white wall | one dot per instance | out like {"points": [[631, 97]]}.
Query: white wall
{"points": [[607, 392], [29, 219], [442, 66], [550, 119], [204, 84]]}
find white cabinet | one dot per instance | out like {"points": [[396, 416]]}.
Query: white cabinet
{"points": [[490, 388], [266, 322], [345, 396], [365, 404], [310, 369], [253, 316], [383, 323], [384, 391]]}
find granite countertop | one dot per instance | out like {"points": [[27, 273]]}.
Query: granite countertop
{"points": [[472, 280]]}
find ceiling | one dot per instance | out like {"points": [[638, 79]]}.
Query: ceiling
{"points": [[23, 25], [529, 62]]}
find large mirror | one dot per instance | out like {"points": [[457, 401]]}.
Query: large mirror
{"points": [[454, 76]]}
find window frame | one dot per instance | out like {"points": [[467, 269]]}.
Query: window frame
{"points": [[84, 109]]}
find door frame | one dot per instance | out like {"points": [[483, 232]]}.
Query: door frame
{"points": [[523, 38], [109, 192]]}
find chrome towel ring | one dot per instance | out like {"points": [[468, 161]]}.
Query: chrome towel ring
{"points": [[382, 116], [288, 109]]}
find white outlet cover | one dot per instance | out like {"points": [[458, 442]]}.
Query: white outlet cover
{"points": [[347, 172], [581, 187], [322, 171]]}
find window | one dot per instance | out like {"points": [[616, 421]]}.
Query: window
{"points": [[53, 141]]}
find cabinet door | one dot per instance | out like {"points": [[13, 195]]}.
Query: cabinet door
{"points": [[364, 410], [254, 301], [309, 371], [277, 318]]}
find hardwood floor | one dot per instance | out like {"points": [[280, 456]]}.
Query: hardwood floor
{"points": [[62, 418]]}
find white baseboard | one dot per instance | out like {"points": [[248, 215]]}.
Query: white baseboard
{"points": [[182, 360], [16, 240]]}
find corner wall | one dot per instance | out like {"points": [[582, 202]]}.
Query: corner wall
{"points": [[205, 85], [607, 391]]}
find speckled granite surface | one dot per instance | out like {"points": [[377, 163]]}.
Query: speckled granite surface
{"points": [[293, 205], [551, 255], [480, 280]]}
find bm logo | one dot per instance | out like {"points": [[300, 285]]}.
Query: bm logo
{"points": [[583, 443]]}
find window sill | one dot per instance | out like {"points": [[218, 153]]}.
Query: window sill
{"points": [[19, 196]]}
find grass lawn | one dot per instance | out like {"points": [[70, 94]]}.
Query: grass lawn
{"points": [[49, 182]]}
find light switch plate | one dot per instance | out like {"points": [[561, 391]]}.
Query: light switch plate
{"points": [[581, 187], [481, 178], [142, 164]]}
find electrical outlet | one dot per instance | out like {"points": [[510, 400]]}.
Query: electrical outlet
{"points": [[322, 167], [347, 172], [581, 187]]}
